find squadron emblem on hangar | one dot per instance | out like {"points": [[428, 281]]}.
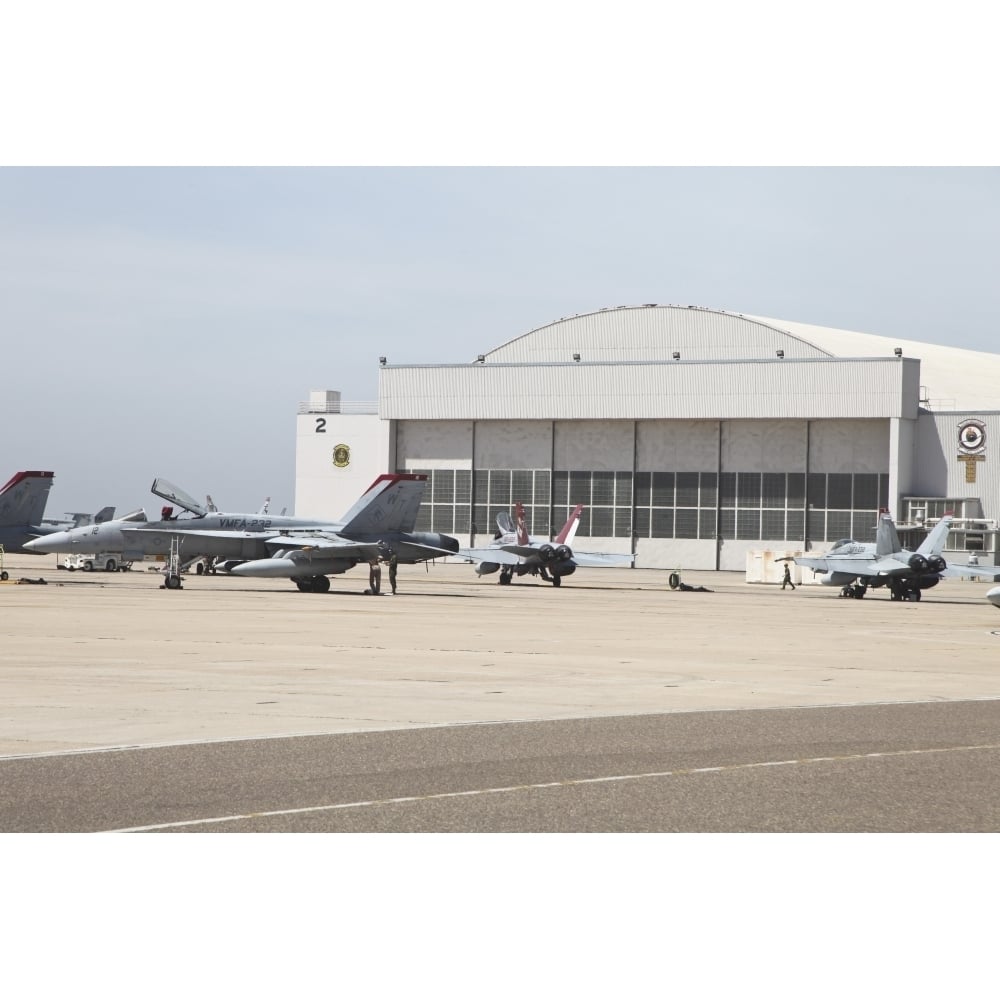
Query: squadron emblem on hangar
{"points": [[341, 456], [972, 445]]}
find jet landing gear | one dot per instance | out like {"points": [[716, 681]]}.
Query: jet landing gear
{"points": [[313, 584], [172, 571], [901, 592], [506, 575], [855, 590]]}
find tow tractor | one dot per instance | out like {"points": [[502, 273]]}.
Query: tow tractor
{"points": [[110, 561]]}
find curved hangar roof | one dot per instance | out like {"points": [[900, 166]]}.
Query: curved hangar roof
{"points": [[950, 377]]}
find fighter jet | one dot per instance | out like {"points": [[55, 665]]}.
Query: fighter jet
{"points": [[379, 524], [303, 549], [22, 509], [857, 566], [515, 552]]}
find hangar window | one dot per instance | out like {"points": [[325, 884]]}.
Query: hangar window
{"points": [[773, 493], [686, 523], [748, 524]]}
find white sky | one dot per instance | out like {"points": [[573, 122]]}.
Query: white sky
{"points": [[193, 236]]}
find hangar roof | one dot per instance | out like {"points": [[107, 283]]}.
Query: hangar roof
{"points": [[951, 378]]}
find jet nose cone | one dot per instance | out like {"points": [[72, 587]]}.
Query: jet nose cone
{"points": [[48, 543]]}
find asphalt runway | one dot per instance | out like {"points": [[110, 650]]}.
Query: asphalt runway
{"points": [[611, 704]]}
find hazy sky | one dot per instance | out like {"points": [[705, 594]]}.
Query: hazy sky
{"points": [[167, 321]]}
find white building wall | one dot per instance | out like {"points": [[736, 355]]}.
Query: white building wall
{"points": [[513, 444], [321, 488], [764, 446], [599, 446], [728, 390], [940, 472], [434, 444], [849, 446], [678, 445]]}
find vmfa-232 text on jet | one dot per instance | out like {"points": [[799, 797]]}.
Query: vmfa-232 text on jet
{"points": [[305, 550]]}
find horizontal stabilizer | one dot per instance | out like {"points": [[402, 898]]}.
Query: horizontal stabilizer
{"points": [[603, 558], [498, 556]]}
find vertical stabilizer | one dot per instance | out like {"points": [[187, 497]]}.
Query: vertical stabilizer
{"points": [[522, 528], [391, 503], [886, 539], [23, 498], [568, 530], [933, 544]]}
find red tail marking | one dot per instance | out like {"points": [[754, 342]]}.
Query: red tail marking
{"points": [[20, 476], [573, 518], [522, 530]]}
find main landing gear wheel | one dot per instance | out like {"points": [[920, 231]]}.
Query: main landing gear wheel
{"points": [[505, 577], [556, 581], [172, 582]]}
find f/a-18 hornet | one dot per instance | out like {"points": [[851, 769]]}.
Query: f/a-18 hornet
{"points": [[306, 550], [857, 566], [515, 552]]}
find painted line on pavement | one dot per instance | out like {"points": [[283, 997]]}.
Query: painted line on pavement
{"points": [[567, 783]]}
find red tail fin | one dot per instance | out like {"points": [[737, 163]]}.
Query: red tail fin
{"points": [[569, 528], [522, 529]]}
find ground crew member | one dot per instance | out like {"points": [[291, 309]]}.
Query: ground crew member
{"points": [[787, 579], [393, 561], [374, 577]]}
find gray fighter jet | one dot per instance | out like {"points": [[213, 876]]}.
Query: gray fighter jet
{"points": [[857, 566], [305, 550], [515, 552]]}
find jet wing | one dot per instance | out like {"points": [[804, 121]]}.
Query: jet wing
{"points": [[325, 547], [971, 571], [488, 555], [603, 558], [524, 551], [855, 567]]}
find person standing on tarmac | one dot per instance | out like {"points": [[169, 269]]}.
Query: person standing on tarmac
{"points": [[374, 577], [393, 563], [787, 579]]}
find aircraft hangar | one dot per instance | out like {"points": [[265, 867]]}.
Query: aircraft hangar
{"points": [[692, 435]]}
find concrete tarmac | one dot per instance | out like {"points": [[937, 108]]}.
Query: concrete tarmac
{"points": [[241, 692]]}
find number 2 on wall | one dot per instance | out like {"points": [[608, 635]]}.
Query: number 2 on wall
{"points": [[321, 425]]}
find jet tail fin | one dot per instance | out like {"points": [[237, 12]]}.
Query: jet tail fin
{"points": [[886, 539], [23, 498], [104, 514], [391, 503], [522, 527], [933, 544], [568, 530]]}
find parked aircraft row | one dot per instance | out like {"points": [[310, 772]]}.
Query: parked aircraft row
{"points": [[857, 566], [308, 551]]}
